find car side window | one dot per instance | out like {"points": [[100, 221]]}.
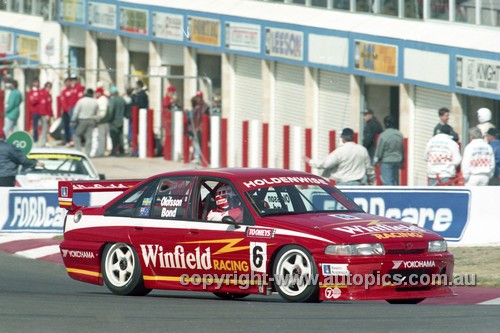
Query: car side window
{"points": [[133, 204], [217, 199], [172, 198]]}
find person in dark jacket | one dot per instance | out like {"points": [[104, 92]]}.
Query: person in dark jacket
{"points": [[389, 152], [10, 159], [444, 118], [139, 97], [370, 131], [116, 111]]}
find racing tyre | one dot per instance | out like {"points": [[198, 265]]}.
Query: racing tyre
{"points": [[230, 296], [294, 270], [122, 271], [405, 301]]}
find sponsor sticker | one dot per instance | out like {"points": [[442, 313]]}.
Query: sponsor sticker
{"points": [[78, 254], [397, 264], [144, 211], [345, 217], [333, 293], [335, 269], [147, 201], [260, 232], [154, 256], [255, 183]]}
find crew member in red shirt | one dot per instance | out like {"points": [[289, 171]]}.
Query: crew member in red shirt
{"points": [[67, 108], [35, 107]]}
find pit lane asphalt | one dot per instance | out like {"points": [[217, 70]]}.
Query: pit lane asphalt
{"points": [[38, 296]]}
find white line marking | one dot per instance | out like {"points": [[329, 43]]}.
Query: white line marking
{"points": [[6, 238], [39, 252], [495, 301]]}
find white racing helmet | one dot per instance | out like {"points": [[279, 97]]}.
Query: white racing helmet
{"points": [[225, 197], [483, 115]]}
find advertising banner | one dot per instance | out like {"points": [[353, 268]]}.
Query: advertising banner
{"points": [[243, 37], [168, 26], [376, 58], [478, 74], [6, 42], [445, 212], [204, 31], [72, 11], [102, 15], [36, 211], [134, 20], [28, 46], [285, 43]]}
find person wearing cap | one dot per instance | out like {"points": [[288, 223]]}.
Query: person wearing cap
{"points": [[102, 121], [139, 97], [478, 163], [444, 118], [349, 164], [84, 120], [116, 114], [167, 100], [484, 120], [12, 108], [11, 158], [442, 156], [389, 152], [371, 129], [205, 109], [492, 136]]}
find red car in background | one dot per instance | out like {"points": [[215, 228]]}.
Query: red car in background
{"points": [[236, 232]]}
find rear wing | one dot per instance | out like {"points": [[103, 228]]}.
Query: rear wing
{"points": [[66, 189]]}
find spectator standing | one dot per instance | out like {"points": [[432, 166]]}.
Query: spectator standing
{"points": [[116, 113], [484, 120], [102, 121], [389, 152], [167, 100], [12, 108], [67, 108], [45, 111], [127, 97], [442, 156], [35, 106], [444, 118], [350, 163], [10, 159], [478, 163], [84, 120], [139, 97], [370, 131], [494, 142]]}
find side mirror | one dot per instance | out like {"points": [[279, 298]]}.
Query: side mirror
{"points": [[231, 221], [102, 176]]}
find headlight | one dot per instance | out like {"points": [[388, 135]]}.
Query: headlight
{"points": [[356, 249], [438, 246]]}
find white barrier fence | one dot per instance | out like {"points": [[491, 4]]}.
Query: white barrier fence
{"points": [[465, 216]]}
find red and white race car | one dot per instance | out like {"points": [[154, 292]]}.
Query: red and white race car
{"points": [[236, 232]]}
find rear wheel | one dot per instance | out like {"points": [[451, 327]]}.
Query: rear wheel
{"points": [[294, 270], [122, 270], [405, 301], [230, 296]]}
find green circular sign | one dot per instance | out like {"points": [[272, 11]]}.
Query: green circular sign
{"points": [[21, 140]]}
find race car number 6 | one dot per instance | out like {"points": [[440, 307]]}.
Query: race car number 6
{"points": [[258, 256]]}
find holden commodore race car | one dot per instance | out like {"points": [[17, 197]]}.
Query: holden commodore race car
{"points": [[59, 164], [236, 232]]}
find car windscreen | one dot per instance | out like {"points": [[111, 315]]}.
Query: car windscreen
{"points": [[60, 164], [299, 199]]}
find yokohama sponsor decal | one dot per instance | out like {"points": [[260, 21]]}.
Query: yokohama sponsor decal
{"points": [[413, 264], [283, 180], [78, 254]]}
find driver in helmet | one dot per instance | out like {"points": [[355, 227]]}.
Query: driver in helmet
{"points": [[228, 204]]}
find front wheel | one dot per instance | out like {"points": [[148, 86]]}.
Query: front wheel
{"points": [[230, 296], [405, 301], [122, 270], [294, 271]]}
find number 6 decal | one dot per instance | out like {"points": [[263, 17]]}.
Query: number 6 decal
{"points": [[258, 256]]}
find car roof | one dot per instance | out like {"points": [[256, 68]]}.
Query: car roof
{"points": [[67, 151], [237, 173]]}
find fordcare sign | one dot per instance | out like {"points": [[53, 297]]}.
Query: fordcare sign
{"points": [[35, 211], [444, 211]]}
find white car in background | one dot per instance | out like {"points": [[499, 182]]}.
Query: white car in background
{"points": [[59, 164]]}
